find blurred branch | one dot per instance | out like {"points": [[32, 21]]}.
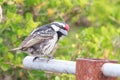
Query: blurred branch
{"points": [[114, 20], [116, 44], [0, 13]]}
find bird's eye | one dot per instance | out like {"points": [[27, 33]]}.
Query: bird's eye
{"points": [[62, 27]]}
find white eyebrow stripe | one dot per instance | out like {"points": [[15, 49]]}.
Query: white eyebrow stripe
{"points": [[59, 23], [55, 27]]}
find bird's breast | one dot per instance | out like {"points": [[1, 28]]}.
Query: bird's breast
{"points": [[50, 44]]}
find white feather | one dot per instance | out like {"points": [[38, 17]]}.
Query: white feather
{"points": [[56, 28], [59, 23]]}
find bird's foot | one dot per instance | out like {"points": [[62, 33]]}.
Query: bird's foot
{"points": [[49, 58], [35, 58]]}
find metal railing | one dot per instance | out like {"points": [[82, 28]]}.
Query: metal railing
{"points": [[84, 69]]}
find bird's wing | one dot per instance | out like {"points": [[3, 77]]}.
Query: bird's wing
{"points": [[39, 36]]}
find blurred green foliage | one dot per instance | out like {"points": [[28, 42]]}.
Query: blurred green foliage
{"points": [[95, 32]]}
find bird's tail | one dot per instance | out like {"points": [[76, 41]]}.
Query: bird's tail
{"points": [[16, 49]]}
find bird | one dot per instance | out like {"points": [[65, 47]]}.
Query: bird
{"points": [[42, 40]]}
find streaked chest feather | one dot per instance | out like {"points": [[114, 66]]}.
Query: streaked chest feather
{"points": [[44, 48]]}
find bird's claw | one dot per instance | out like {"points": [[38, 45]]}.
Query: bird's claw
{"points": [[49, 58], [35, 58]]}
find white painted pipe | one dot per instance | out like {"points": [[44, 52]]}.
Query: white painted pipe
{"points": [[111, 69], [52, 65]]}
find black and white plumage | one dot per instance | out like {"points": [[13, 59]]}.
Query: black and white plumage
{"points": [[42, 40]]}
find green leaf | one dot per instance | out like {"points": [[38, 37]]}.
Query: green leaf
{"points": [[10, 56], [1, 40], [5, 67]]}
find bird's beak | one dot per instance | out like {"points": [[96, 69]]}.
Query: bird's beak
{"points": [[64, 32]]}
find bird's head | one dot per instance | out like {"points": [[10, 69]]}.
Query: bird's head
{"points": [[63, 28]]}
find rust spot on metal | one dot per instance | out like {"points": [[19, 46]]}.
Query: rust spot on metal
{"points": [[90, 69]]}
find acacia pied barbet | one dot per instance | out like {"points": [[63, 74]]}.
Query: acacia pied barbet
{"points": [[42, 40]]}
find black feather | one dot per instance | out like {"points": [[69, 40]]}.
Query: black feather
{"points": [[59, 34]]}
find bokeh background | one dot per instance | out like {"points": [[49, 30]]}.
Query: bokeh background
{"points": [[94, 33]]}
